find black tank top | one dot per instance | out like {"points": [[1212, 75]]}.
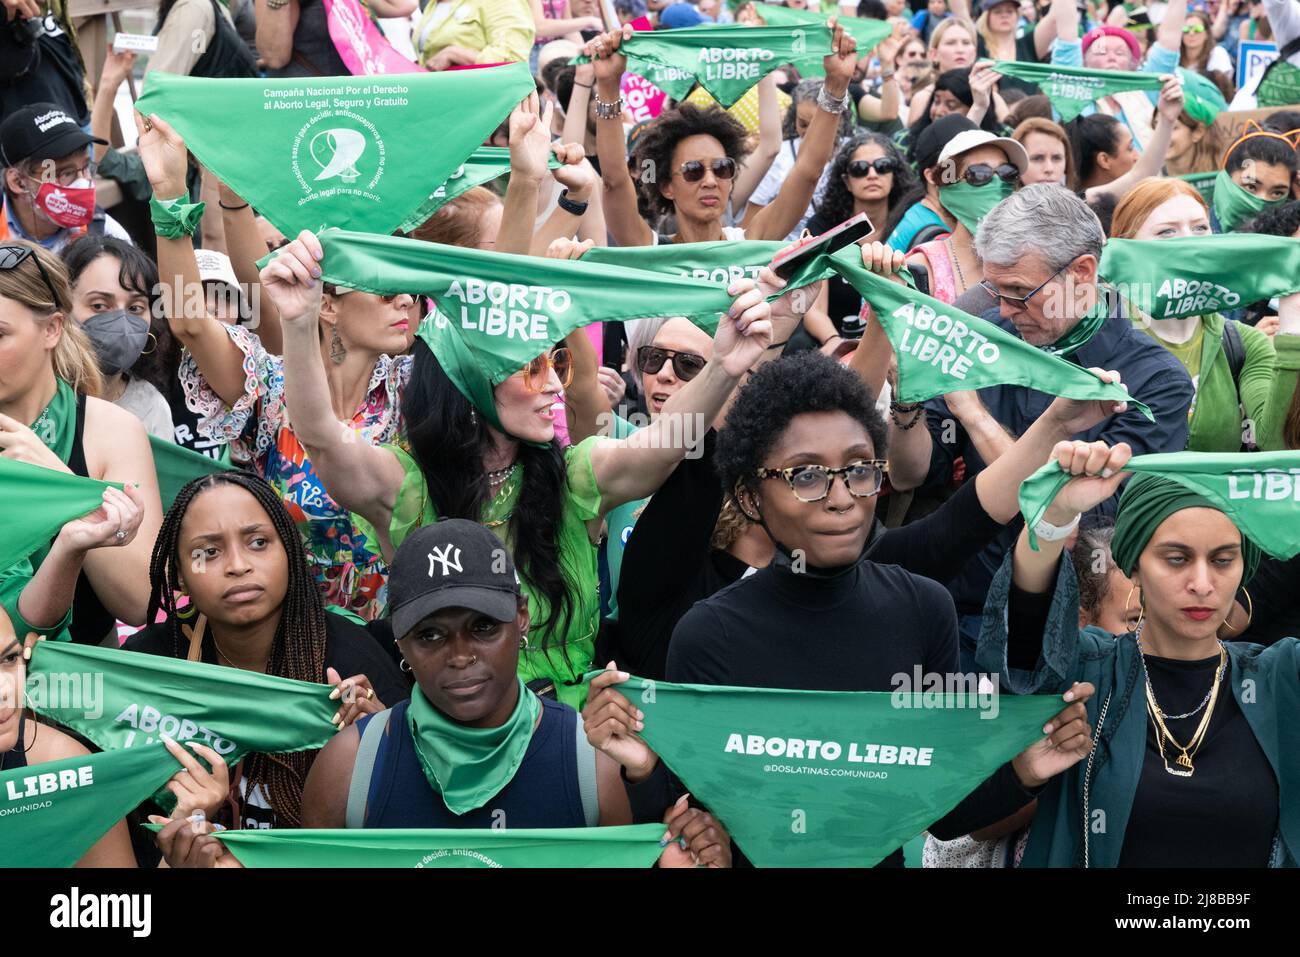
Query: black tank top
{"points": [[16, 758], [91, 621]]}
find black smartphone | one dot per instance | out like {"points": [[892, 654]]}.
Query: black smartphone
{"points": [[786, 263]]}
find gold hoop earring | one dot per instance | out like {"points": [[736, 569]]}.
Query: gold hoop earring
{"points": [[1142, 606], [1250, 615], [337, 352], [523, 641]]}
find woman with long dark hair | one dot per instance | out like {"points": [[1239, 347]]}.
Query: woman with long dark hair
{"points": [[230, 547], [512, 476]]}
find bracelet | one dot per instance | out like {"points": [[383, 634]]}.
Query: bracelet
{"points": [[276, 4], [904, 407], [776, 345], [609, 111], [585, 86], [174, 218], [895, 408], [835, 335], [832, 104], [887, 75], [231, 208], [1047, 532], [571, 205]]}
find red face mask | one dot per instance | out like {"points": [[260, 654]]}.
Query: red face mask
{"points": [[68, 206]]}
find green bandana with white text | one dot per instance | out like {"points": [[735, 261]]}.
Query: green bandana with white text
{"points": [[673, 81], [1199, 275], [1259, 491], [51, 814], [631, 846], [729, 59], [363, 152], [1072, 88], [124, 699], [832, 778], [867, 32]]}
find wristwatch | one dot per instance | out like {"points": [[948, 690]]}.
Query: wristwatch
{"points": [[571, 205], [1047, 532]]}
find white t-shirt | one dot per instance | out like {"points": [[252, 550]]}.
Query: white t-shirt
{"points": [[146, 403]]}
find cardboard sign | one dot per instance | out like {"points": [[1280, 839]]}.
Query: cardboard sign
{"points": [[1253, 58], [1232, 123]]}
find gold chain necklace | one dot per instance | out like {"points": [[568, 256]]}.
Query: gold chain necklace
{"points": [[1189, 750]]}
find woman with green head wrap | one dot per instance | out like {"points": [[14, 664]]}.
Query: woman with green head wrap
{"points": [[1196, 753]]}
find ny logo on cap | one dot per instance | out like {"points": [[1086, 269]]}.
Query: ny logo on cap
{"points": [[448, 560]]}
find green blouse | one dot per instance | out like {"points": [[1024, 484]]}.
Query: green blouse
{"points": [[569, 655]]}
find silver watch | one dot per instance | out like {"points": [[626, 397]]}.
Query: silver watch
{"points": [[830, 103]]}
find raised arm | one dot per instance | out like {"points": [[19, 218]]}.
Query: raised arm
{"points": [[622, 217], [219, 360], [546, 27], [530, 147], [1044, 33], [275, 29], [586, 407], [632, 468], [780, 216], [760, 160], [1170, 32], [361, 477], [245, 247], [1152, 160], [575, 115], [117, 67], [579, 181]]}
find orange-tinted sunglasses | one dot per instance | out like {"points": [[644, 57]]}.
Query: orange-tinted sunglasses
{"points": [[538, 372]]}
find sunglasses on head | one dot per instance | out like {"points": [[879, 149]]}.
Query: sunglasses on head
{"points": [[981, 174], [13, 256], [538, 372], [882, 165], [686, 365], [693, 170]]}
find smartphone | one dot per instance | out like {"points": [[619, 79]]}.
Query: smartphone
{"points": [[786, 263]]}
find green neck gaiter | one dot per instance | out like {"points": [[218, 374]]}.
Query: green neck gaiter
{"points": [[470, 766], [1083, 331], [1234, 205], [57, 421], [970, 204]]}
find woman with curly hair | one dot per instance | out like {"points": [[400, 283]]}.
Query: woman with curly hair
{"points": [[686, 161]]}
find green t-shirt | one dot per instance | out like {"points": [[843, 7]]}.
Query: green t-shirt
{"points": [[570, 655]]}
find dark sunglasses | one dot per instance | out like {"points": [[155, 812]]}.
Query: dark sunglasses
{"points": [[882, 165], [686, 365], [981, 174], [11, 257], [693, 170]]}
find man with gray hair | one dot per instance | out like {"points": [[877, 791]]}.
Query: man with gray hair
{"points": [[1040, 248]]}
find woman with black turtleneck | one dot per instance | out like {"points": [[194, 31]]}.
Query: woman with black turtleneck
{"points": [[801, 456]]}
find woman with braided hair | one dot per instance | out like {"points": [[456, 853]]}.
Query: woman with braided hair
{"points": [[229, 545]]}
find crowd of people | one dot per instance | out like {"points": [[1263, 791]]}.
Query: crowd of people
{"points": [[318, 482]]}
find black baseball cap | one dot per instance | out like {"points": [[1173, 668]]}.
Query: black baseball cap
{"points": [[42, 131], [453, 563], [936, 136]]}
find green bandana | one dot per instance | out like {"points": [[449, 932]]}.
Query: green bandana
{"points": [[1072, 88], [57, 421], [359, 151], [1082, 331], [469, 766], [1259, 491], [970, 204], [720, 263], [673, 81], [124, 699], [497, 312], [868, 33], [40, 501], [1280, 86], [1148, 499], [832, 778], [484, 165], [1202, 100], [941, 349], [727, 60], [632, 846], [1233, 205], [51, 814], [1198, 275], [177, 466]]}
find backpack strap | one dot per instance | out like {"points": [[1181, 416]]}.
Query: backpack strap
{"points": [[586, 756], [1234, 350], [927, 234], [363, 769]]}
